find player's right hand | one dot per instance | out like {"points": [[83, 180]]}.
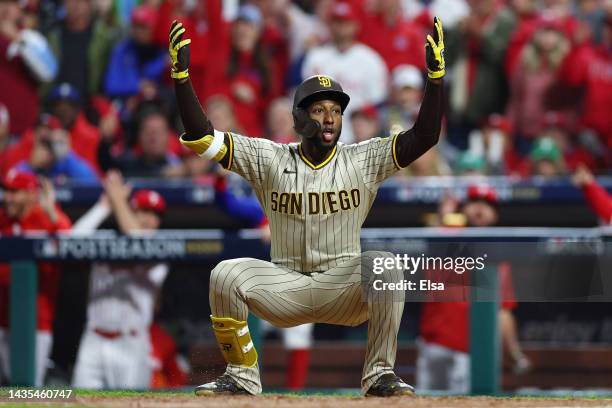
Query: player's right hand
{"points": [[179, 51]]}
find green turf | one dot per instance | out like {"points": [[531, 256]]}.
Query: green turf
{"points": [[188, 392]]}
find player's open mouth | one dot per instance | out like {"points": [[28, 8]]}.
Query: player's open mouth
{"points": [[328, 135]]}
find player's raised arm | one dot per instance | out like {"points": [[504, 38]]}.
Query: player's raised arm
{"points": [[410, 145], [199, 135]]}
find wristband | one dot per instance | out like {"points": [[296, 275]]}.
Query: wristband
{"points": [[214, 147], [179, 75]]}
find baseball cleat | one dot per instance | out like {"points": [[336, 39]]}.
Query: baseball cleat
{"points": [[389, 385], [224, 385]]}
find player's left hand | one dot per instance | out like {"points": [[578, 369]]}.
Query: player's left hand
{"points": [[434, 52]]}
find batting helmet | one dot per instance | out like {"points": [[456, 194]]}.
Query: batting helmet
{"points": [[319, 87]]}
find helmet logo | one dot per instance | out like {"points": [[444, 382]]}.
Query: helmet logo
{"points": [[324, 81]]}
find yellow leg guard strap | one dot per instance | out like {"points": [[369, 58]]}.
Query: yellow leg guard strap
{"points": [[235, 341]]}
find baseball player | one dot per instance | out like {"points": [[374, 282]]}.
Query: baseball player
{"points": [[115, 346], [29, 205], [443, 362], [316, 195]]}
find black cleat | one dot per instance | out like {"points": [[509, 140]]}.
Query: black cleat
{"points": [[389, 385], [224, 385]]}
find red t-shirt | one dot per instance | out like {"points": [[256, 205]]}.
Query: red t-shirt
{"points": [[197, 28], [48, 274], [84, 138], [447, 323], [15, 153], [218, 81], [18, 91], [590, 67], [399, 43]]}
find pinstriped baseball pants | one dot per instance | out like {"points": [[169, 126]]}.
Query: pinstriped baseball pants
{"points": [[288, 298]]}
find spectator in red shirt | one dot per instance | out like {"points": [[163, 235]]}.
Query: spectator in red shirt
{"points": [[589, 66], [443, 360], [30, 207], [274, 39], [26, 61], [242, 69], [195, 17], [52, 155], [527, 16], [66, 103], [535, 79], [396, 39], [596, 196]]}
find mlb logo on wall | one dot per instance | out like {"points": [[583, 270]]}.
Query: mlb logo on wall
{"points": [[47, 248]]}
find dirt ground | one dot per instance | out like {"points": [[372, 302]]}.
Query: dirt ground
{"points": [[281, 401]]}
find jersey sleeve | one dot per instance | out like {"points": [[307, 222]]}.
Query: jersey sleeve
{"points": [[250, 157], [376, 158]]}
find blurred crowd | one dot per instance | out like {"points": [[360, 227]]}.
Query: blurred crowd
{"points": [[85, 86]]}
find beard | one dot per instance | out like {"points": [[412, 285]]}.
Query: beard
{"points": [[318, 141]]}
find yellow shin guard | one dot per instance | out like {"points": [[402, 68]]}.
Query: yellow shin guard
{"points": [[234, 341]]}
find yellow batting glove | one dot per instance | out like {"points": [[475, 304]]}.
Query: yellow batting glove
{"points": [[434, 52], [179, 51]]}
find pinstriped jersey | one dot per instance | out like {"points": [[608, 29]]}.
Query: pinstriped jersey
{"points": [[315, 211]]}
